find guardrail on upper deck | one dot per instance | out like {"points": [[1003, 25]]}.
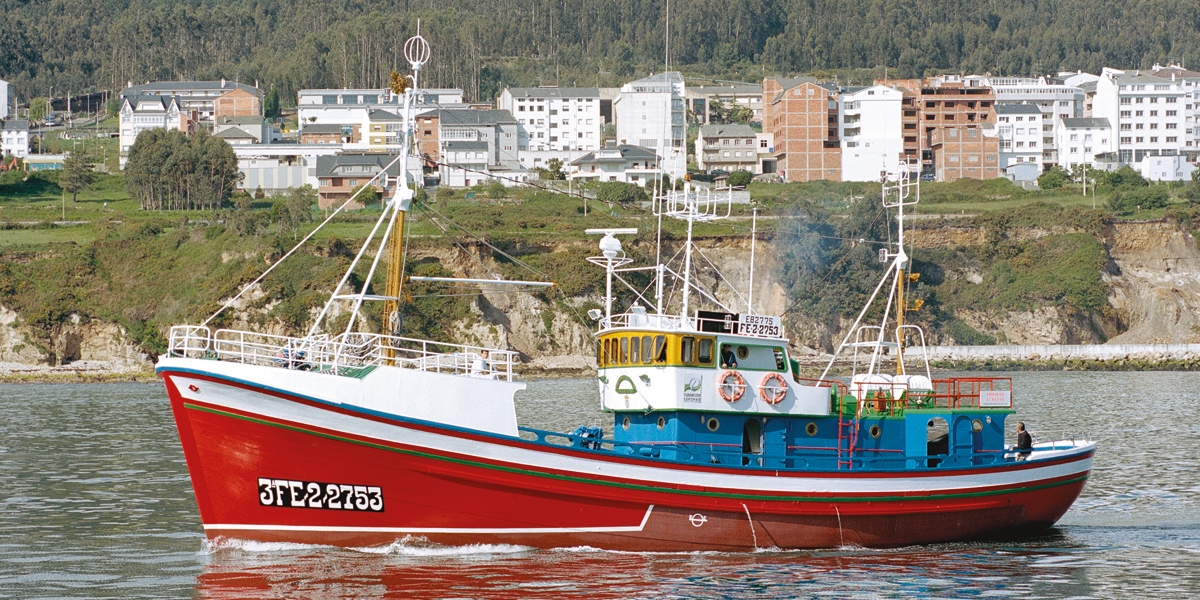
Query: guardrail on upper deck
{"points": [[342, 354]]}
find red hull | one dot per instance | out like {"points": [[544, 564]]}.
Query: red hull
{"points": [[460, 499]]}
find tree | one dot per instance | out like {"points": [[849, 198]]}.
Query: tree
{"points": [[739, 178], [1130, 199], [76, 174], [1124, 177], [167, 170], [295, 209], [1053, 179], [271, 103], [1191, 192], [616, 192], [39, 108], [555, 167]]}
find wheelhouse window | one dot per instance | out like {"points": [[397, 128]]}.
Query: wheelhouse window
{"points": [[705, 351], [687, 348]]}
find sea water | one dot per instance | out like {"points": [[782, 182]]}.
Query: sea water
{"points": [[96, 503]]}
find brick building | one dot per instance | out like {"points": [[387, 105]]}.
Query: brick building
{"points": [[949, 126], [802, 115], [238, 103]]}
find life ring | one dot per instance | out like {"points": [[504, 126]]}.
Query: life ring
{"points": [[731, 392], [773, 393]]}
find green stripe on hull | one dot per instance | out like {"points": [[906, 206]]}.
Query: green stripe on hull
{"points": [[632, 486]]}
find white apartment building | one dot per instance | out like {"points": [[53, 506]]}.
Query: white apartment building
{"points": [[352, 106], [1149, 114], [6, 104], [650, 113], [139, 113], [616, 162], [554, 122], [870, 131], [1084, 141], [14, 138], [1056, 99], [1022, 129]]}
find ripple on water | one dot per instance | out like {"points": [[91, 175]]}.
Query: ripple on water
{"points": [[102, 506]]}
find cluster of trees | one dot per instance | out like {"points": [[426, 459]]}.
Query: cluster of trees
{"points": [[168, 170], [287, 214], [480, 45]]}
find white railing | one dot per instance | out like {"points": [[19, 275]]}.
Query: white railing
{"points": [[344, 354]]}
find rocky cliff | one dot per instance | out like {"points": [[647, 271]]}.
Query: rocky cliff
{"points": [[1153, 273]]}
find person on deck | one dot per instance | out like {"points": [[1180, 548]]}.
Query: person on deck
{"points": [[481, 366], [1024, 442], [728, 360]]}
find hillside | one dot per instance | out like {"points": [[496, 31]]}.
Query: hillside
{"points": [[1051, 270], [481, 45]]}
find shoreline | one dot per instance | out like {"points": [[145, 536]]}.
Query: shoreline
{"points": [[11, 373]]}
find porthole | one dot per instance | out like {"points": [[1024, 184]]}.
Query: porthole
{"points": [[661, 423], [875, 431], [976, 425], [625, 424], [743, 352], [810, 429], [713, 424]]}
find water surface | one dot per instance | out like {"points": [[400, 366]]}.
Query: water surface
{"points": [[97, 503]]}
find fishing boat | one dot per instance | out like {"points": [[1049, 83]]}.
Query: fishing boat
{"points": [[717, 441]]}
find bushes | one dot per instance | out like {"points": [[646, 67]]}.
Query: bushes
{"points": [[1131, 199], [1053, 179], [739, 178], [615, 192]]}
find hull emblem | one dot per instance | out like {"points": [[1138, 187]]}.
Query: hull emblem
{"points": [[697, 519]]}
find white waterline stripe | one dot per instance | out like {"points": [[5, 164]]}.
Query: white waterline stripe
{"points": [[619, 528]]}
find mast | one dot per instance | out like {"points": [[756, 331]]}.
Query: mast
{"points": [[416, 51]]}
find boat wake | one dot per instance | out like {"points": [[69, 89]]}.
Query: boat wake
{"points": [[419, 546]]}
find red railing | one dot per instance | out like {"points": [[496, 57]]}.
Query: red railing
{"points": [[972, 392]]}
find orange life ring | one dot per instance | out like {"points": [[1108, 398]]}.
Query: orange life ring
{"points": [[731, 392], [779, 389]]}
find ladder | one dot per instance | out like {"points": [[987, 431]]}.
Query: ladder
{"points": [[847, 438]]}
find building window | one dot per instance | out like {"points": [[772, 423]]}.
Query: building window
{"points": [[1124, 140], [1153, 140], [1171, 100], [1171, 139], [1140, 139], [1126, 126], [1154, 113], [1124, 100]]}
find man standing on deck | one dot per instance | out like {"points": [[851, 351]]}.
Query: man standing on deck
{"points": [[1024, 442]]}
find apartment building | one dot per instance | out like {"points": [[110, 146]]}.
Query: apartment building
{"points": [[616, 162], [345, 106], [554, 122], [141, 112], [182, 105], [870, 134], [478, 145], [339, 175], [702, 99], [14, 138], [802, 116], [204, 99], [1085, 141], [932, 109], [6, 101], [1056, 99], [1020, 129], [727, 148], [1149, 114], [651, 113]]}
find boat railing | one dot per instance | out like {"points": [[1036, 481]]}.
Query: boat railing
{"points": [[825, 458], [344, 354]]}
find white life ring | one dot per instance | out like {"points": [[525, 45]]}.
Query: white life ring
{"points": [[731, 391], [773, 393]]}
